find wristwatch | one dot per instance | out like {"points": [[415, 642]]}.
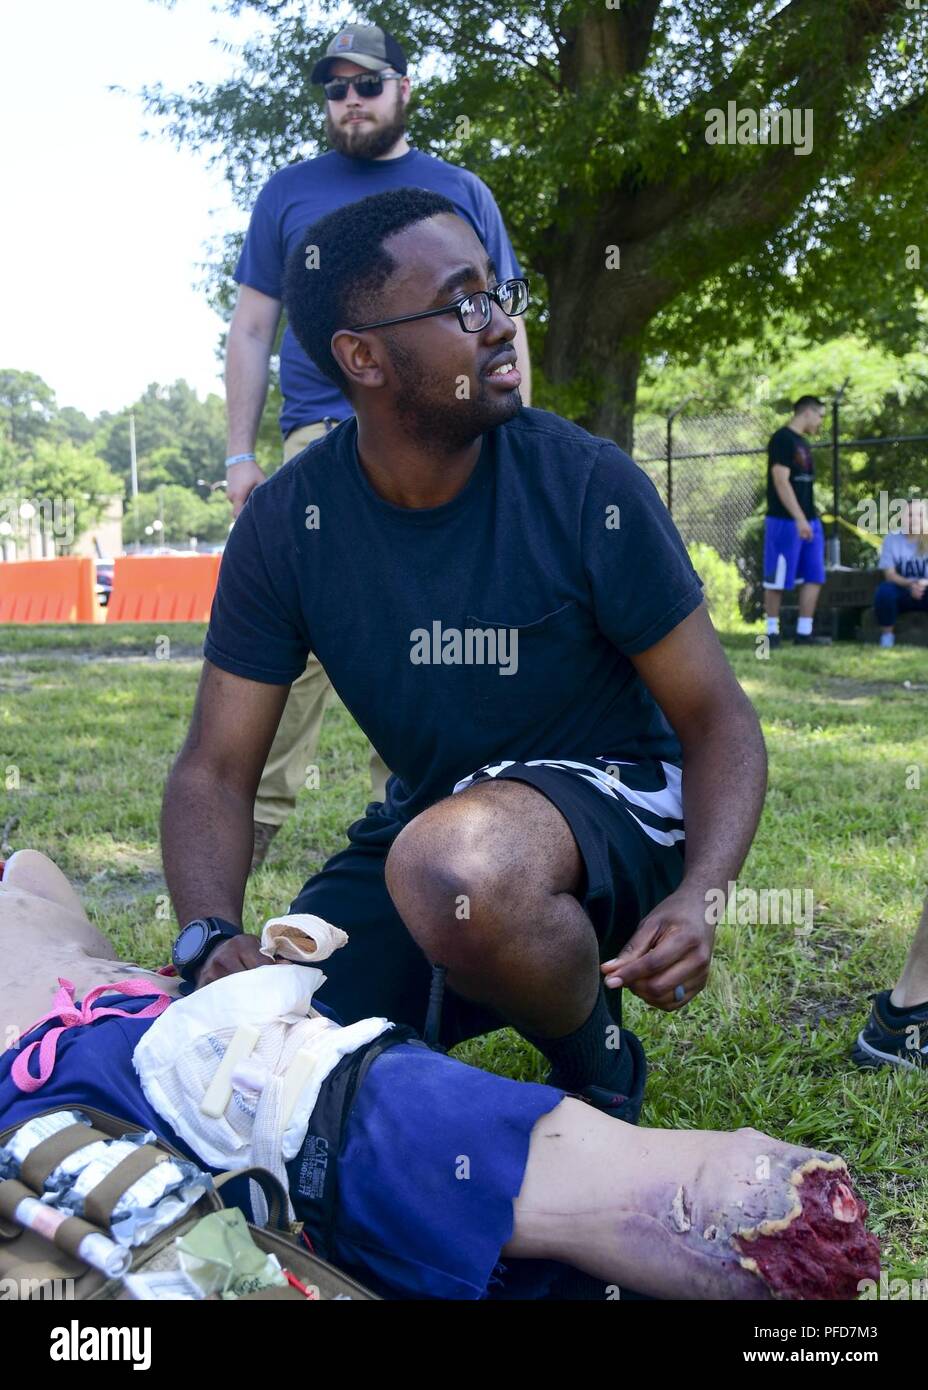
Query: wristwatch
{"points": [[195, 942]]}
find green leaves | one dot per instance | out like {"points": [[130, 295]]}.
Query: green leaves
{"points": [[588, 123]]}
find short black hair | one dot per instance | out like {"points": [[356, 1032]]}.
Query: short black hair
{"points": [[351, 268], [805, 401]]}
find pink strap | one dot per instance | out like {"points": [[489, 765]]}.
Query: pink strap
{"points": [[65, 1009]]}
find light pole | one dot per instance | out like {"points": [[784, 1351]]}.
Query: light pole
{"points": [[134, 468]]}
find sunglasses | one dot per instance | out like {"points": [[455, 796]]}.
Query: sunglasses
{"points": [[370, 85]]}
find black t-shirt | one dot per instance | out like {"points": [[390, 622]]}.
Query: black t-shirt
{"points": [[496, 626], [788, 448]]}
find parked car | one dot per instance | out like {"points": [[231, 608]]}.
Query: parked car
{"points": [[104, 584]]}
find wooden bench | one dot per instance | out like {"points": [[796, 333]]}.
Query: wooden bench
{"points": [[845, 611]]}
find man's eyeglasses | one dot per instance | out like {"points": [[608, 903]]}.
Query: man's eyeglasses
{"points": [[474, 311], [368, 85]]}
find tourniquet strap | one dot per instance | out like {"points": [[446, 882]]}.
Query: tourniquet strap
{"points": [[100, 1201], [274, 1194], [67, 1237], [12, 1192], [46, 1156]]}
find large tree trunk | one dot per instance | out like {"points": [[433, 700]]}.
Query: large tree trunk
{"points": [[597, 314], [613, 414]]}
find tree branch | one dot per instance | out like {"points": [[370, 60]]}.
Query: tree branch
{"points": [[653, 206]]}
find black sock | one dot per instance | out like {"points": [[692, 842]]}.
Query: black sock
{"points": [[585, 1057]]}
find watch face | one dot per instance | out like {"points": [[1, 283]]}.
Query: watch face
{"points": [[190, 943]]}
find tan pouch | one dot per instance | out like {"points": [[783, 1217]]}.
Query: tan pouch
{"points": [[30, 1264]]}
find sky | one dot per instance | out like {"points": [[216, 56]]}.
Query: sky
{"points": [[102, 232]]}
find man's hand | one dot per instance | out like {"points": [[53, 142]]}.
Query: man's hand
{"points": [[917, 588], [672, 946], [803, 527], [237, 953], [242, 479]]}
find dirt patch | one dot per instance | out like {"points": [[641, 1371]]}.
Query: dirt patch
{"points": [[825, 946], [121, 885], [809, 1012], [845, 688], [179, 652]]}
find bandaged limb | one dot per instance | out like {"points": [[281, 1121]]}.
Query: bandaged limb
{"points": [[698, 1214], [302, 938], [45, 934]]}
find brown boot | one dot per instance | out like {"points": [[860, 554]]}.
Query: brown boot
{"points": [[264, 834]]}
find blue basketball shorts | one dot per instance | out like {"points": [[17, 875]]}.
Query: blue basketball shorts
{"points": [[788, 559]]}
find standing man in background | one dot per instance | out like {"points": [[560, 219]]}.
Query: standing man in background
{"points": [[363, 74], [794, 542]]}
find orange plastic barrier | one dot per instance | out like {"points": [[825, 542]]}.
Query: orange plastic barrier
{"points": [[48, 591], [162, 588]]}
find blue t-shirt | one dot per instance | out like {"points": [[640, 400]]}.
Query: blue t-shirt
{"points": [[299, 195], [93, 1066], [497, 625]]}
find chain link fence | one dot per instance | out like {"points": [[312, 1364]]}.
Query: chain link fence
{"points": [[710, 471]]}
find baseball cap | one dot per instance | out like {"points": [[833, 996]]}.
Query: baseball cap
{"points": [[365, 44]]}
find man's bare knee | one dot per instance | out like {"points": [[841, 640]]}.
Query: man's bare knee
{"points": [[481, 859], [447, 853]]}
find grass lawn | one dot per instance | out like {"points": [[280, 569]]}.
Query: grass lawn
{"points": [[90, 720]]}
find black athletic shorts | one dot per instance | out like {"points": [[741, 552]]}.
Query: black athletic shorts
{"points": [[627, 820]]}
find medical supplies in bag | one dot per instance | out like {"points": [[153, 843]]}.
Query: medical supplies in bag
{"points": [[30, 1135], [155, 1200], [131, 1195]]}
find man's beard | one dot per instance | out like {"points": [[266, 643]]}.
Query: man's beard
{"points": [[451, 426], [369, 140]]}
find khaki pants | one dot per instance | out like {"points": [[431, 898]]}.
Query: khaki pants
{"points": [[294, 748]]}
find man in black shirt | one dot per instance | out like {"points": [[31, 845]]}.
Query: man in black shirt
{"points": [[504, 605], [794, 543]]}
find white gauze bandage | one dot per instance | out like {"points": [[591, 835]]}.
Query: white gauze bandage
{"points": [[236, 1067], [300, 937]]}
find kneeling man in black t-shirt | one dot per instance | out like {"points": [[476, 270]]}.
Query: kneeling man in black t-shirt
{"points": [[504, 605]]}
